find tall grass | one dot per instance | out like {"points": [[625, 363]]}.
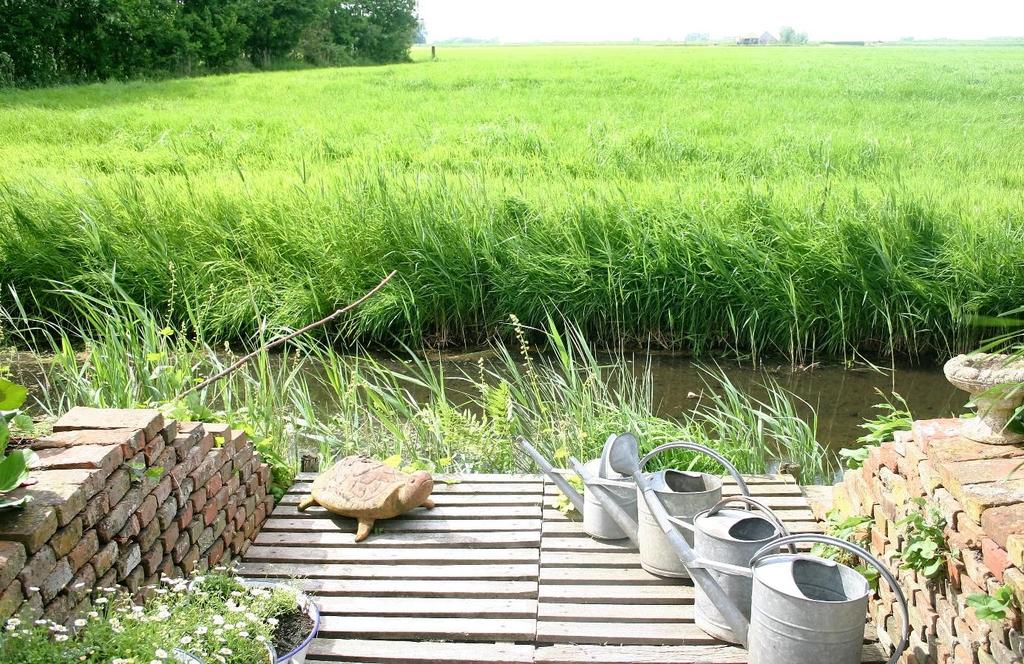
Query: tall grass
{"points": [[313, 398], [808, 202]]}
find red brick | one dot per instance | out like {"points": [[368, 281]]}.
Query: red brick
{"points": [[104, 458], [12, 561], [213, 486], [163, 489], [37, 567], [888, 456], [170, 536], [956, 474], [152, 559], [104, 560], [927, 431], [147, 511], [995, 557], [184, 517], [83, 552], [95, 509], [80, 417], [1001, 522], [153, 449], [198, 499], [216, 551], [210, 513], [129, 440]]}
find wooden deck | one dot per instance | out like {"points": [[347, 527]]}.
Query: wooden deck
{"points": [[492, 575]]}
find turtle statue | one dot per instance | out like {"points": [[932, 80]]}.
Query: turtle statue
{"points": [[365, 489]]}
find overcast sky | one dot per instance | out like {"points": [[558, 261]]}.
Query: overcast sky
{"points": [[623, 20]]}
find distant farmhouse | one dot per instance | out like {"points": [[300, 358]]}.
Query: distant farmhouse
{"points": [[757, 40]]}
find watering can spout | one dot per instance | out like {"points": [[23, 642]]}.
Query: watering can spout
{"points": [[563, 485]]}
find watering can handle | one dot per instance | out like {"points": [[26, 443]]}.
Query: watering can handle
{"points": [[759, 506], [682, 445], [864, 555]]}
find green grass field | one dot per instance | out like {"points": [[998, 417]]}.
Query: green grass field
{"points": [[803, 201]]}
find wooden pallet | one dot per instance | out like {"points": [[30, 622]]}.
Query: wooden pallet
{"points": [[493, 574]]}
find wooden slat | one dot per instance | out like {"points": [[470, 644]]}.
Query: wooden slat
{"points": [[616, 633], [404, 627], [358, 571], [489, 478], [453, 499], [615, 612], [429, 607], [586, 544], [598, 575], [442, 512], [418, 652], [529, 539], [579, 559], [380, 555], [404, 588], [661, 654], [665, 593], [470, 488], [341, 524]]}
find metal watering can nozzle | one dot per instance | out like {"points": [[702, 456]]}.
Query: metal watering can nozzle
{"points": [[563, 484]]}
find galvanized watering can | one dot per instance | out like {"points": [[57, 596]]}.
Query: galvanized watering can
{"points": [[683, 495], [730, 537], [805, 609]]}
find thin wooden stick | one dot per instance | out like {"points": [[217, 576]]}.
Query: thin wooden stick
{"points": [[274, 344]]}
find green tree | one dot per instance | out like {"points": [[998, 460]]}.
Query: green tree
{"points": [[216, 33], [375, 30], [276, 26]]}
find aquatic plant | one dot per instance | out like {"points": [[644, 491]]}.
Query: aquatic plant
{"points": [[563, 397]]}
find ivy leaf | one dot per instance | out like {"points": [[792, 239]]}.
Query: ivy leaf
{"points": [[12, 395], [14, 469], [23, 422], [14, 503]]}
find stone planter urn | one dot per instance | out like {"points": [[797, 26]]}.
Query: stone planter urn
{"points": [[996, 385]]}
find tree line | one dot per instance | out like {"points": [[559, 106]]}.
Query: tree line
{"points": [[64, 41]]}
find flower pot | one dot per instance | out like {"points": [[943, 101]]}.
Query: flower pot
{"points": [[181, 657], [994, 382], [309, 607]]}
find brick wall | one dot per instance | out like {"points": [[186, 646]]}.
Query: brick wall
{"points": [[122, 497], [981, 496]]}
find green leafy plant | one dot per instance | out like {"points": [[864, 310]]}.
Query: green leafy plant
{"points": [[14, 466], [562, 502], [926, 548], [854, 457], [853, 529], [895, 416], [994, 606], [138, 472]]}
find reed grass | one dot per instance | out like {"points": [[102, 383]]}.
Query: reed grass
{"points": [[808, 202], [312, 398]]}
